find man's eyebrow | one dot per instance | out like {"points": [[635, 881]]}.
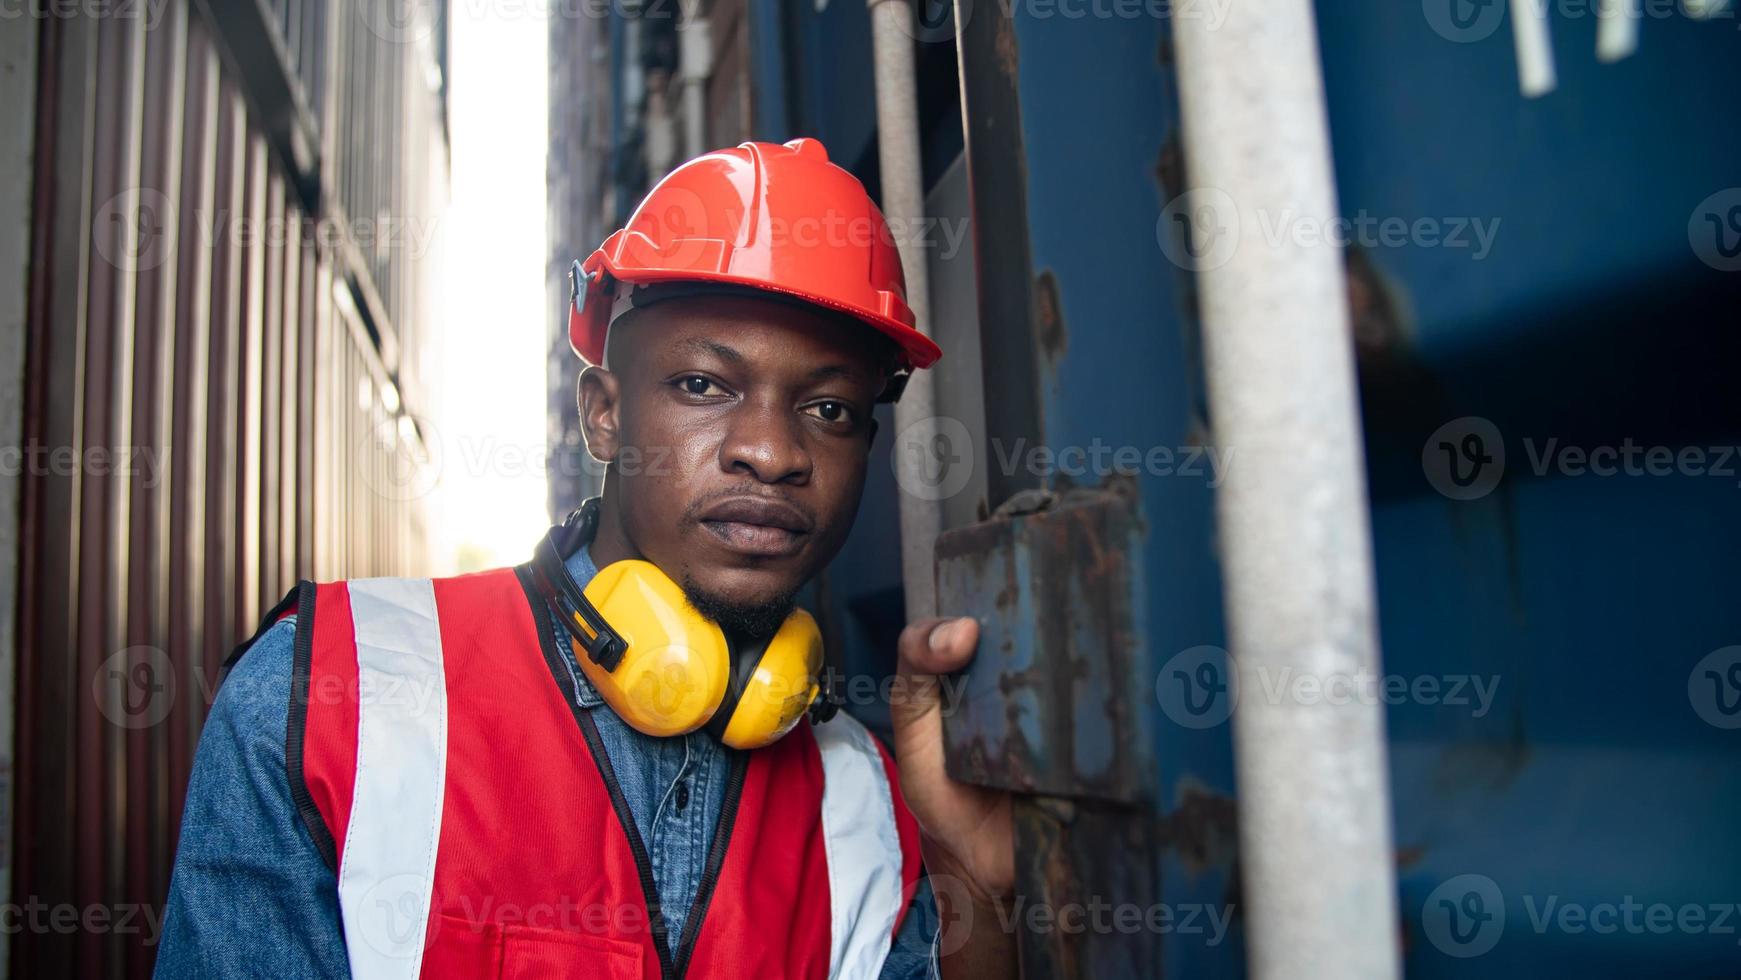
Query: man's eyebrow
{"points": [[725, 352], [827, 371], [701, 345]]}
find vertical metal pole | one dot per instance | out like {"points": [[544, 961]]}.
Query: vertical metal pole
{"points": [[18, 124], [903, 203], [1315, 841]]}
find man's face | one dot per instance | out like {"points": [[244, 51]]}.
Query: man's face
{"points": [[739, 429]]}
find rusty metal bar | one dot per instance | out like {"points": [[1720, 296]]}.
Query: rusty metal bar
{"points": [[1315, 841]]}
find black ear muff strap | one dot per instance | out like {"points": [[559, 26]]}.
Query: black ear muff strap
{"points": [[578, 615], [827, 703], [745, 658]]}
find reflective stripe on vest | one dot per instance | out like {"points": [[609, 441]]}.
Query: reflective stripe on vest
{"points": [[388, 868], [858, 827], [387, 857]]}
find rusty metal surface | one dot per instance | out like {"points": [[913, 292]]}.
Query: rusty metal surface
{"points": [[1087, 895], [1054, 702]]}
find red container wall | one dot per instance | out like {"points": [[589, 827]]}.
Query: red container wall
{"points": [[219, 373]]}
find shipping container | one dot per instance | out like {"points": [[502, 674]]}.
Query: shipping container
{"points": [[1536, 218], [233, 223]]}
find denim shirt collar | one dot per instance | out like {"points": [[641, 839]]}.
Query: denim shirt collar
{"points": [[580, 566]]}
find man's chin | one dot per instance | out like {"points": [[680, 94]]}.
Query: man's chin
{"points": [[742, 586], [752, 612]]}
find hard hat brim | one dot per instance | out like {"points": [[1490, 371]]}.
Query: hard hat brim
{"points": [[590, 322]]}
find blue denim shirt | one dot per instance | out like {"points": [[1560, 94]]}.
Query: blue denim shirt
{"points": [[251, 895]]}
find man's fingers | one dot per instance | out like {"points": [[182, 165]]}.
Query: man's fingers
{"points": [[928, 647], [938, 646]]}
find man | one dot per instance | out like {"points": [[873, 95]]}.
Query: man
{"points": [[467, 777]]}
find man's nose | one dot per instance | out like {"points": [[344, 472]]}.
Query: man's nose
{"points": [[767, 443]]}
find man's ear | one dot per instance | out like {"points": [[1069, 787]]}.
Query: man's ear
{"points": [[599, 403], [870, 438]]}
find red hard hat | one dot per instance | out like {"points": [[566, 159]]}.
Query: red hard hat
{"points": [[765, 216]]}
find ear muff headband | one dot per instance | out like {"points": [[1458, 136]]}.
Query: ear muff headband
{"points": [[663, 667], [603, 645]]}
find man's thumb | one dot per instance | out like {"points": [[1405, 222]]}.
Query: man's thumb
{"points": [[929, 647]]}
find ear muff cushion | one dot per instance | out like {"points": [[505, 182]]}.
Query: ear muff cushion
{"points": [[676, 667], [778, 687]]}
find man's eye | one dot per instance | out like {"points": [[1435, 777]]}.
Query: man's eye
{"points": [[695, 384], [830, 411]]}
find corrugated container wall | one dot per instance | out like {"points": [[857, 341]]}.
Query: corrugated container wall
{"points": [[234, 216]]}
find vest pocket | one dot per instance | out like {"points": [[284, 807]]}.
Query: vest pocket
{"points": [[545, 954], [464, 950]]}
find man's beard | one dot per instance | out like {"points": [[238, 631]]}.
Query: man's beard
{"points": [[749, 621]]}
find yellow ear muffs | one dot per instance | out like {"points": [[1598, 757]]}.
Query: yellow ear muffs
{"points": [[666, 669], [772, 686], [675, 665]]}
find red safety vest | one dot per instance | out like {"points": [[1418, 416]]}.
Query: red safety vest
{"points": [[470, 813]]}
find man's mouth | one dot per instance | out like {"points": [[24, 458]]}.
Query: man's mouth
{"points": [[758, 526]]}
